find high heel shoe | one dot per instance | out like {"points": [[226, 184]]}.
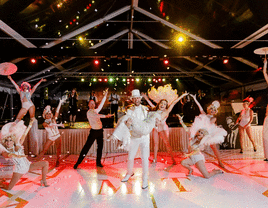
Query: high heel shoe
{"points": [[255, 149], [154, 161], [44, 183]]}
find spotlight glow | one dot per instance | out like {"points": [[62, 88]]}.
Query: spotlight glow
{"points": [[180, 39], [166, 61], [225, 61], [33, 61], [96, 62]]}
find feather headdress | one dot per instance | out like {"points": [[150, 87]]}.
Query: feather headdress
{"points": [[215, 133], [47, 110], [163, 92]]}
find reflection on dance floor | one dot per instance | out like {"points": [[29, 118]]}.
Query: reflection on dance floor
{"points": [[244, 184]]}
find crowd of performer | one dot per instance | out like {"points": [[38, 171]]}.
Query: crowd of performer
{"points": [[132, 130]]}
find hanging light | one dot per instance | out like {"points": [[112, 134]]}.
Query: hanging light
{"points": [[33, 60], [166, 61], [225, 61], [96, 62]]}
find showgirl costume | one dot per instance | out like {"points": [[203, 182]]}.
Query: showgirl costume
{"points": [[162, 126], [52, 130], [26, 104], [215, 136], [245, 117], [137, 129], [22, 164]]}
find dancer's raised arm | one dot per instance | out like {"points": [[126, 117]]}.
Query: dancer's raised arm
{"points": [[14, 83], [58, 109], [36, 85], [102, 101], [148, 100], [182, 123], [166, 113], [198, 104]]}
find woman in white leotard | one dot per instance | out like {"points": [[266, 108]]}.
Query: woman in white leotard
{"points": [[211, 114], [203, 132], [53, 132], [25, 93], [245, 118], [12, 148]]}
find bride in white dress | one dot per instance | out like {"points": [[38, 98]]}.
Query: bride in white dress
{"points": [[128, 126]]}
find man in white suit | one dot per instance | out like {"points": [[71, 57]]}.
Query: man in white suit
{"points": [[139, 112]]}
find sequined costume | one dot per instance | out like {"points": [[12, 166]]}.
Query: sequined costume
{"points": [[245, 117], [26, 104], [52, 130], [22, 164]]}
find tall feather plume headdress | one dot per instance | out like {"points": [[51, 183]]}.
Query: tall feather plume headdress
{"points": [[163, 92]]}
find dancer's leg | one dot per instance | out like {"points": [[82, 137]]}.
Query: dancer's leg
{"points": [[249, 133], [241, 137], [32, 111], [164, 136], [58, 148], [21, 114], [46, 147], [202, 168], [265, 137], [217, 154], [99, 147], [44, 165], [90, 140], [71, 119], [156, 143], [187, 163], [15, 178]]}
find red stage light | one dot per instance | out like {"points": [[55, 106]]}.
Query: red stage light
{"points": [[96, 62], [132, 80], [105, 80], [159, 80], [166, 62], [100, 80], [127, 80], [33, 61], [225, 61], [154, 80]]}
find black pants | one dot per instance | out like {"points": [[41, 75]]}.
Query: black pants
{"points": [[94, 134], [114, 109]]}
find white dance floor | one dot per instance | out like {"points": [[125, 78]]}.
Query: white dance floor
{"points": [[244, 184]]}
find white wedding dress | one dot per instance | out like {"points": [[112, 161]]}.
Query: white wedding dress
{"points": [[137, 129]]}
